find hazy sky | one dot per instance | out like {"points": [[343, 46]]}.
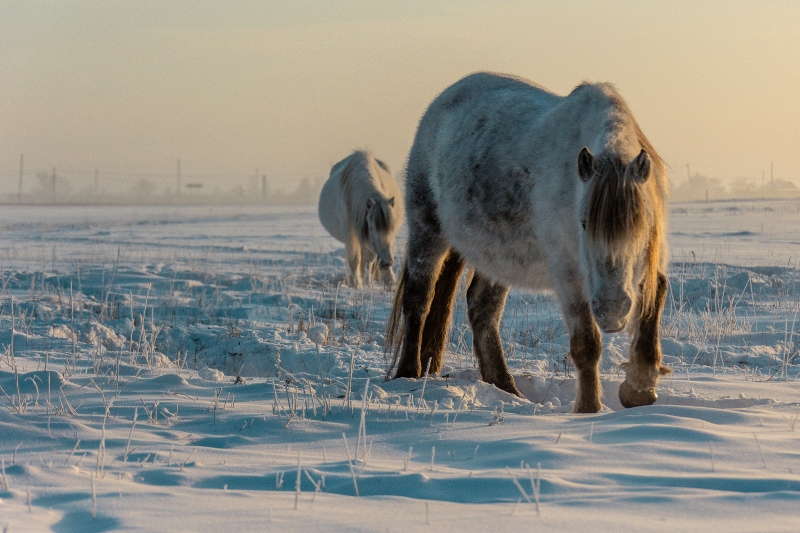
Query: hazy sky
{"points": [[291, 87]]}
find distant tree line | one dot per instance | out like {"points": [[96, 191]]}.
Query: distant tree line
{"points": [[52, 187], [698, 187]]}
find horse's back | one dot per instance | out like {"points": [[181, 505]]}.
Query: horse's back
{"points": [[486, 92], [479, 85], [481, 113]]}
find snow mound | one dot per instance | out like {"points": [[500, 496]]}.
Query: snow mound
{"points": [[210, 374]]}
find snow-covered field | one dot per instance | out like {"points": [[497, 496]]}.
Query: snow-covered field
{"points": [[203, 369]]}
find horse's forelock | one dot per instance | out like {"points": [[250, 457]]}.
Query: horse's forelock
{"points": [[365, 228], [617, 213], [382, 215]]}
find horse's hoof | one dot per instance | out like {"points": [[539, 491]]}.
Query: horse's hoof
{"points": [[630, 397], [508, 385], [515, 391], [406, 372], [587, 406]]}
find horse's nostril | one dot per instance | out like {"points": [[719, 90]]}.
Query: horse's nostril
{"points": [[626, 306]]}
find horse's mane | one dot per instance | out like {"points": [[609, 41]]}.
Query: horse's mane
{"points": [[360, 171], [621, 211]]}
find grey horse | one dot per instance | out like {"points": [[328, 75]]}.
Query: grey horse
{"points": [[542, 192]]}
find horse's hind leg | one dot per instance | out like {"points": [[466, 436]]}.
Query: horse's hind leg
{"points": [[485, 303], [434, 334], [424, 264], [644, 367]]}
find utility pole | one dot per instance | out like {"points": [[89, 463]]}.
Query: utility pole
{"points": [[21, 168], [54, 184], [96, 185], [264, 188], [179, 179]]}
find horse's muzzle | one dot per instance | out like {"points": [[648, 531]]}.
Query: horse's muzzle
{"points": [[385, 264], [611, 317], [615, 327]]}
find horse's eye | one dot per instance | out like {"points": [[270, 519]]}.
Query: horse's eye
{"points": [[583, 223]]}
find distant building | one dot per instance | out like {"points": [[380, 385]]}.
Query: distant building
{"points": [[778, 188]]}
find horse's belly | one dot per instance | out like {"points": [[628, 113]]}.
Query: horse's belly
{"points": [[518, 262], [332, 211]]}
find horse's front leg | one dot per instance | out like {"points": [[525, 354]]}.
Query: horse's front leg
{"points": [[485, 303], [585, 342], [386, 276], [585, 349], [368, 264], [644, 367], [353, 250]]}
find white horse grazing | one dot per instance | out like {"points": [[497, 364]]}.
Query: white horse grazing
{"points": [[542, 192], [360, 205]]}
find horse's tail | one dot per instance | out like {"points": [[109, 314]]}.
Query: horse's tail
{"points": [[396, 326]]}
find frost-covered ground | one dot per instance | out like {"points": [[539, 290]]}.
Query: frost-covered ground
{"points": [[192, 368]]}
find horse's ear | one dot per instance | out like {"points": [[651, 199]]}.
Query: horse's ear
{"points": [[369, 203], [639, 168], [391, 201], [585, 164]]}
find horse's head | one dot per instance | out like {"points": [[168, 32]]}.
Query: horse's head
{"points": [[376, 230], [616, 229]]}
